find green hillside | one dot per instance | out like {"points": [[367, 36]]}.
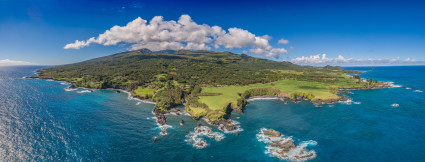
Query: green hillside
{"points": [[208, 83]]}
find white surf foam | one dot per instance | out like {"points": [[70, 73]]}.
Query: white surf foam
{"points": [[196, 139], [85, 91], [70, 89], [263, 98], [163, 129], [299, 153], [130, 97], [392, 85], [65, 83], [239, 129]]}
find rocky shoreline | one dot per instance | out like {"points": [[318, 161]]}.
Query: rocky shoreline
{"points": [[160, 116], [342, 98], [228, 125]]}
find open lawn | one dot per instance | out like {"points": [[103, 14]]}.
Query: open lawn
{"points": [[229, 95], [143, 92]]}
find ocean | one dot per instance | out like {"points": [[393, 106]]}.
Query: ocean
{"points": [[41, 121]]}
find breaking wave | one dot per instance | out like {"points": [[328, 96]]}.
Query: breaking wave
{"points": [[85, 91], [196, 139], [392, 85]]}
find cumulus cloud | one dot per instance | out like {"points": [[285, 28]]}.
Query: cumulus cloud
{"points": [[283, 41], [322, 59], [14, 62], [159, 34]]}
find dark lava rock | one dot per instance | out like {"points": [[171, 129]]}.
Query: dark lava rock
{"points": [[160, 117], [230, 127], [285, 146], [272, 133]]}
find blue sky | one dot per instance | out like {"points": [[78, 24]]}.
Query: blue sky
{"points": [[347, 32]]}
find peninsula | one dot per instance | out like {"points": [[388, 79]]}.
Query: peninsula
{"points": [[209, 84]]}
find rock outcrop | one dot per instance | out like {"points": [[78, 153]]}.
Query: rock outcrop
{"points": [[271, 133], [284, 147], [160, 117]]}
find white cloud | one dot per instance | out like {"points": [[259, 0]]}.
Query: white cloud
{"points": [[283, 41], [14, 62], [341, 60], [409, 60], [159, 34]]}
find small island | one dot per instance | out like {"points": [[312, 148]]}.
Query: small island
{"points": [[209, 84]]}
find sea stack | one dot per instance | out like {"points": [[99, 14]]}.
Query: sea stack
{"points": [[154, 139], [182, 122]]}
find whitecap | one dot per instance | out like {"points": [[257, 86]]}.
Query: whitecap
{"points": [[138, 103], [418, 91], [408, 88], [357, 103]]}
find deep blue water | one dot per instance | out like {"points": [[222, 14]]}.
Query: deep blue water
{"points": [[41, 121]]}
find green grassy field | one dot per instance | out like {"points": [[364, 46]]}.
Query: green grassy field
{"points": [[229, 95], [143, 92]]}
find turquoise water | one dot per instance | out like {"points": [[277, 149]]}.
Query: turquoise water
{"points": [[41, 121]]}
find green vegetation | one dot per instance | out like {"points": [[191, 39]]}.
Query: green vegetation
{"points": [[143, 92], [208, 83]]}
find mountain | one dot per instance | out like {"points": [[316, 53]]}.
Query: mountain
{"points": [[135, 68]]}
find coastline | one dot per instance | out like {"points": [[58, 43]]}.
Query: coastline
{"points": [[227, 122]]}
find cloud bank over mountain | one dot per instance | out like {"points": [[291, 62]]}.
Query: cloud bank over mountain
{"points": [[160, 34], [322, 59]]}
